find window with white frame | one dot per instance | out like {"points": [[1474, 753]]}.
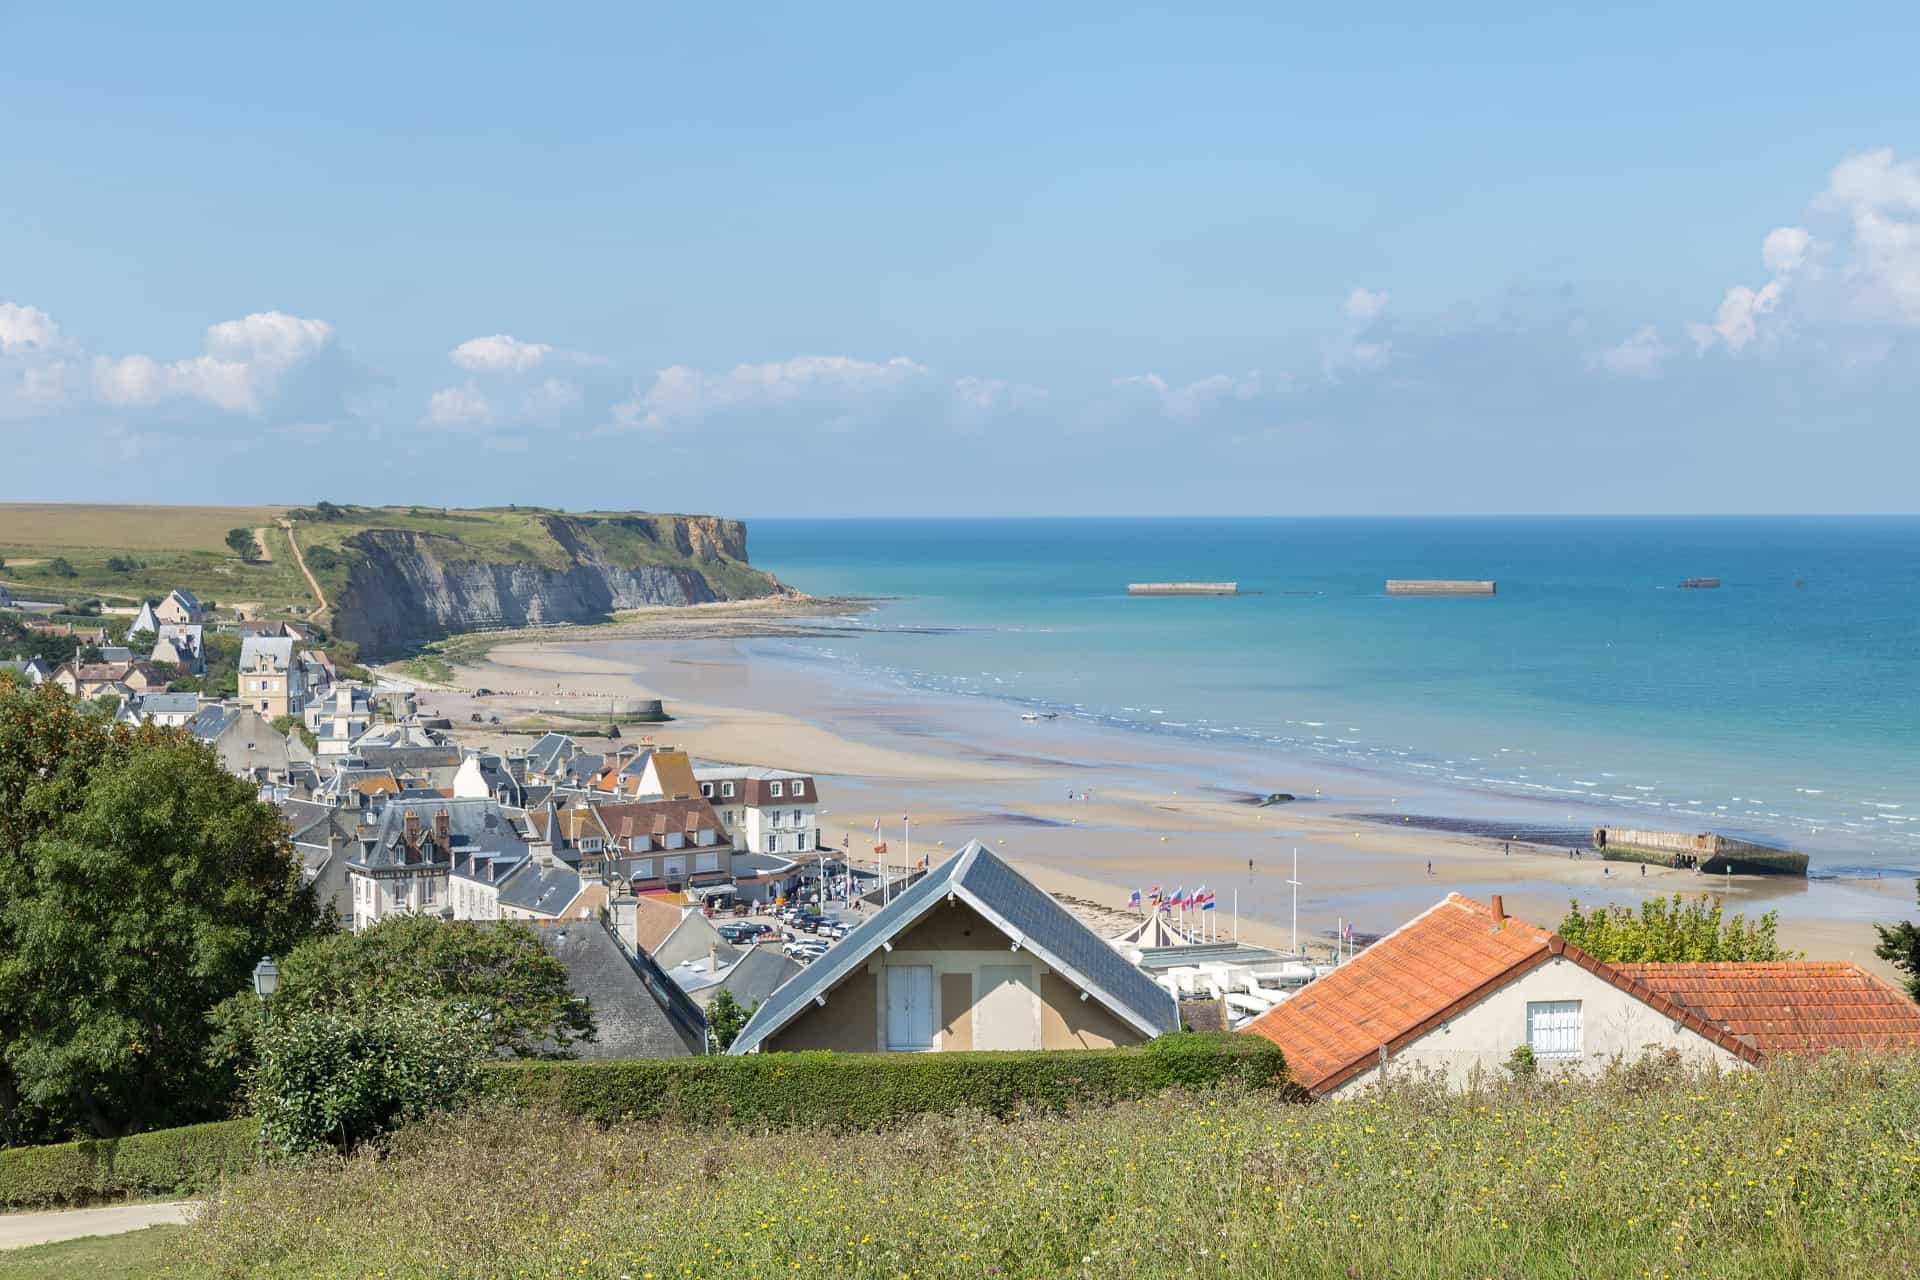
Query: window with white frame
{"points": [[706, 789], [1553, 1028], [643, 869], [773, 844], [773, 789], [796, 817], [726, 790], [799, 788]]}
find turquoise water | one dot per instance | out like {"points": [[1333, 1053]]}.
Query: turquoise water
{"points": [[1784, 704]]}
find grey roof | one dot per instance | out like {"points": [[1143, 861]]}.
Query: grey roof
{"points": [[116, 653], [550, 752], [747, 864], [1014, 904], [212, 722], [760, 972], [158, 704], [186, 597], [546, 890], [582, 767], [471, 825], [277, 650], [637, 1011], [408, 758]]}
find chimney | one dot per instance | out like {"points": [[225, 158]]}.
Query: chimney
{"points": [[1499, 909], [442, 828]]}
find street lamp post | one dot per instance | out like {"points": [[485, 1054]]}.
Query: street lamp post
{"points": [[266, 980]]}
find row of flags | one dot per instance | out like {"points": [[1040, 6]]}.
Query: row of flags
{"points": [[1200, 899]]}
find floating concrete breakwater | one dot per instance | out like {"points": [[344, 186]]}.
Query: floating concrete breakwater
{"points": [[1183, 588], [1440, 587], [1708, 851]]}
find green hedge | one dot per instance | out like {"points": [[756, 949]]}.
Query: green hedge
{"points": [[167, 1161], [873, 1090]]}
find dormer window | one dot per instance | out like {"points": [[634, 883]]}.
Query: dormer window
{"points": [[706, 789], [799, 788], [773, 789], [726, 790]]}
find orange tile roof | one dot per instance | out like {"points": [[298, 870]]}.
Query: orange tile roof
{"points": [[1794, 1006], [1421, 974], [674, 772], [1439, 959]]}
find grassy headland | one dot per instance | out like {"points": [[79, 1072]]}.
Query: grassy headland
{"points": [[1798, 1170]]}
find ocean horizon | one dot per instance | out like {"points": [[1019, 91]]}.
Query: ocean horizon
{"points": [[1779, 705]]}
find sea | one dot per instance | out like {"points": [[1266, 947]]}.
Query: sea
{"points": [[1783, 705]]}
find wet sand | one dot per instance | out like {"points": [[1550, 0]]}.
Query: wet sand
{"points": [[1095, 811]]}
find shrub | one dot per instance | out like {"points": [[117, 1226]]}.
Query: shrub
{"points": [[875, 1090], [335, 1079], [166, 1161]]}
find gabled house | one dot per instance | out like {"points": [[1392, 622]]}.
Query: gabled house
{"points": [[766, 810], [168, 710], [543, 891], [117, 655], [971, 956], [1460, 987], [674, 933], [664, 846], [179, 607], [338, 719], [666, 774], [247, 745], [484, 774], [405, 865], [547, 757], [183, 645], [270, 680], [145, 621], [29, 671]]}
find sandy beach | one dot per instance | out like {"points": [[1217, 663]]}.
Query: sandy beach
{"points": [[1089, 811]]}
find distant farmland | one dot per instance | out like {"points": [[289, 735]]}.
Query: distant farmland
{"points": [[31, 528]]}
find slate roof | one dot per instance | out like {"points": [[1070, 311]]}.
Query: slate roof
{"points": [[276, 651], [118, 654], [756, 976], [212, 722], [1448, 957], [144, 620], [637, 1011], [549, 752], [1019, 908], [471, 825], [160, 704], [543, 890], [1796, 1006]]}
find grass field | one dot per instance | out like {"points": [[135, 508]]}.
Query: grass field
{"points": [[1797, 1170], [133, 1256], [123, 554]]}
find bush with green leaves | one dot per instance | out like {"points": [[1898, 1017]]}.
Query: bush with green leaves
{"points": [[165, 1162], [1899, 946], [876, 1090], [335, 1079], [1672, 929], [726, 1018]]}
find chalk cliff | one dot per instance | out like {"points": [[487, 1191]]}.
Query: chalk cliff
{"points": [[405, 587]]}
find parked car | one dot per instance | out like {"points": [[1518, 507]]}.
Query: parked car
{"points": [[738, 934], [805, 949]]}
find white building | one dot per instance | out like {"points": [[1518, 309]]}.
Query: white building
{"points": [[765, 810], [1461, 987], [339, 719]]}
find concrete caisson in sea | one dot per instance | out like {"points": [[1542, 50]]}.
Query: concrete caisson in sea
{"points": [[1183, 588], [1440, 586], [1708, 851]]}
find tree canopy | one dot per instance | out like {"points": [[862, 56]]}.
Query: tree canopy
{"points": [[497, 970], [139, 884], [1900, 947], [242, 543], [1668, 929]]}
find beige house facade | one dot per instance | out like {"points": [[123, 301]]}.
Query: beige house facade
{"points": [[971, 957]]}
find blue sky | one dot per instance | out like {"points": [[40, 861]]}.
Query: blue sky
{"points": [[1021, 259]]}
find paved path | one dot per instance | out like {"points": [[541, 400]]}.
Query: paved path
{"points": [[18, 1230]]}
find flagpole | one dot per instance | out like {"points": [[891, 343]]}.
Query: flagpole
{"points": [[1295, 882], [1236, 914], [907, 827]]}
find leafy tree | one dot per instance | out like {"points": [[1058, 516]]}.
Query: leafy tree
{"points": [[139, 884], [106, 704], [242, 543], [334, 1078], [1668, 929], [321, 558], [499, 970], [1900, 947], [122, 564], [725, 1018], [59, 568]]}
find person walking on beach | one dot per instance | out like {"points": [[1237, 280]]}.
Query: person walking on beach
{"points": [[1429, 867]]}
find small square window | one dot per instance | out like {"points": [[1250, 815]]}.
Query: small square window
{"points": [[1554, 1028], [773, 789]]}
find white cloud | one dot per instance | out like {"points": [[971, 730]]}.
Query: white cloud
{"points": [[553, 396], [499, 353], [1196, 400], [459, 407], [25, 330], [1785, 248], [1364, 304], [1879, 197], [1640, 356], [843, 388], [246, 361]]}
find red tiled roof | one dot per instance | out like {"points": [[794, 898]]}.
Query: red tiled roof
{"points": [[1437, 960], [1421, 974], [1794, 1006]]}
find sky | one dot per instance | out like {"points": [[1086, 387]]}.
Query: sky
{"points": [[772, 260]]}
